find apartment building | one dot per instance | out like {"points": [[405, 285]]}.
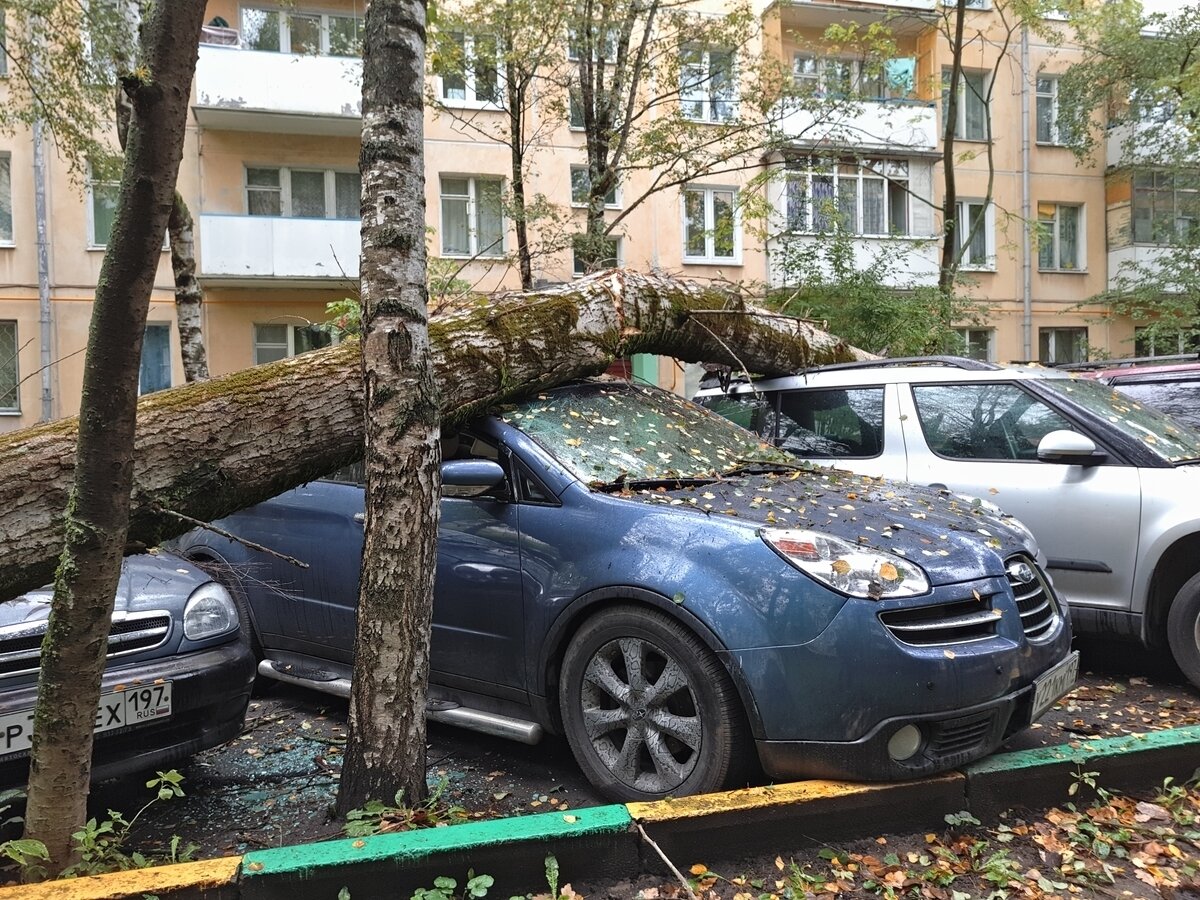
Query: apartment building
{"points": [[270, 174]]}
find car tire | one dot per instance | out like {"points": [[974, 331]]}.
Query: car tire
{"points": [[1183, 629], [677, 728]]}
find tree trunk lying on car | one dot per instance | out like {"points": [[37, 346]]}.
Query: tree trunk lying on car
{"points": [[206, 449]]}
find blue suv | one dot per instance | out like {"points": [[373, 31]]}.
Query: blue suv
{"points": [[681, 601]]}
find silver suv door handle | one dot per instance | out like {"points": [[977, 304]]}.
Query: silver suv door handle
{"points": [[360, 518], [939, 486]]}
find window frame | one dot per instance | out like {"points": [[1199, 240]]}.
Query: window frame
{"points": [[963, 230], [290, 348], [4, 43], [285, 191], [92, 183], [1053, 331], [1151, 193], [965, 332], [820, 78], [964, 90], [582, 204], [472, 198], [710, 191], [618, 257], [142, 362], [1052, 97], [815, 167], [470, 99], [6, 160], [710, 102], [285, 30], [1054, 236], [15, 409]]}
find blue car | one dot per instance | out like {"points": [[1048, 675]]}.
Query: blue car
{"points": [[683, 603]]}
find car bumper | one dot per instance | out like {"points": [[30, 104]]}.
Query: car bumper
{"points": [[210, 693], [950, 739]]}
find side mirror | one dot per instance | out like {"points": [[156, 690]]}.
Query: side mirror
{"points": [[1069, 447], [465, 478]]}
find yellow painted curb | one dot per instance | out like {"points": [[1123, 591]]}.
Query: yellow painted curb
{"points": [[207, 875], [777, 795]]}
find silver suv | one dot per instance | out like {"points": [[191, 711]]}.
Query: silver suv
{"points": [[1110, 489]]}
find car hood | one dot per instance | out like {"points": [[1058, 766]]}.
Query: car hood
{"points": [[148, 581], [953, 538]]}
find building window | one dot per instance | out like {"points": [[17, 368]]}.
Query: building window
{"points": [[102, 205], [862, 196], [973, 228], [1060, 237], [580, 183], [302, 193], [892, 79], [574, 110], [711, 231], [604, 39], [3, 44], [610, 259], [1166, 207], [972, 111], [274, 342], [977, 343], [1062, 345], [156, 359], [472, 216], [472, 78], [6, 219], [707, 89], [10, 380], [316, 34], [1047, 110]]}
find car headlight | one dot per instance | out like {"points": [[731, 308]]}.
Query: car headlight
{"points": [[210, 611], [846, 567]]}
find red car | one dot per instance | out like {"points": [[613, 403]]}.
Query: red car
{"points": [[1168, 384]]}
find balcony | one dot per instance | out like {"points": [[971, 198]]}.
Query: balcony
{"points": [[886, 125], [1146, 256], [304, 252], [912, 262], [248, 90], [905, 18]]}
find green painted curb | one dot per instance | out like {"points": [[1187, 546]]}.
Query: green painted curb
{"points": [[414, 845], [1106, 748]]}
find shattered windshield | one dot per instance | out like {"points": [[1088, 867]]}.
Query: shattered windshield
{"points": [[1168, 438], [613, 433]]}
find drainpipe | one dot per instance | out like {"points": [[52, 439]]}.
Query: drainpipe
{"points": [[1026, 208], [43, 270]]}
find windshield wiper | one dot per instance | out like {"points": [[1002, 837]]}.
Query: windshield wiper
{"points": [[751, 467], [627, 484]]}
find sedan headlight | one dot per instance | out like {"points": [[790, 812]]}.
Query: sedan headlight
{"points": [[846, 567], [210, 611]]}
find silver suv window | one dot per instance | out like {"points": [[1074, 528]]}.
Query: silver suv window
{"points": [[984, 421], [843, 422]]}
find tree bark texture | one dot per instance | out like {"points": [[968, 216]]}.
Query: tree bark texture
{"points": [[91, 530], [385, 754], [208, 449], [188, 296]]}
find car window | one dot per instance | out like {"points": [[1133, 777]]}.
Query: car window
{"points": [[754, 411], [843, 422], [1180, 399], [355, 473], [984, 421], [1156, 432]]}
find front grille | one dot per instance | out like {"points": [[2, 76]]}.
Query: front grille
{"points": [[960, 735], [20, 655], [1035, 600], [960, 622]]}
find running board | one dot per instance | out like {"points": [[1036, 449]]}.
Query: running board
{"points": [[436, 711]]}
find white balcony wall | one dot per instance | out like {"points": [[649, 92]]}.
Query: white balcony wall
{"points": [[912, 262], [1147, 143], [248, 90], [235, 248], [868, 124], [1133, 255]]}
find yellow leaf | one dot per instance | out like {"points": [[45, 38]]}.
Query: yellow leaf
{"points": [[888, 572], [949, 654], [779, 863], [698, 869], [840, 566]]}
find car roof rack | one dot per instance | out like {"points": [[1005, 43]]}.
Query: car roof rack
{"points": [[1129, 361], [953, 362]]}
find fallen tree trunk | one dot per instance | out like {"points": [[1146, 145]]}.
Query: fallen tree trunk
{"points": [[207, 449]]}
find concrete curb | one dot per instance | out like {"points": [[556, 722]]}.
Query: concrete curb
{"points": [[602, 841]]}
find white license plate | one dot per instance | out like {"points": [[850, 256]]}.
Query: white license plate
{"points": [[1053, 684], [131, 706]]}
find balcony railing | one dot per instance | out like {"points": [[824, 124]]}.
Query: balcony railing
{"points": [[904, 125], [1120, 259], [913, 262], [252, 248], [249, 90]]}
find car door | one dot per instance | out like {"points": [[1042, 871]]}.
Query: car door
{"points": [[853, 428], [981, 438]]}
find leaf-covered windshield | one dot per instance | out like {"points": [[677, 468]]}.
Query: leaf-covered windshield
{"points": [[1168, 438], [607, 433]]}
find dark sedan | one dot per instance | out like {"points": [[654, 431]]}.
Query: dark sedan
{"points": [[626, 568]]}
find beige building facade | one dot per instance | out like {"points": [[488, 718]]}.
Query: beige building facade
{"points": [[270, 173]]}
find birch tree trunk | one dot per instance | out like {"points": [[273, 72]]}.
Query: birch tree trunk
{"points": [[208, 449], [93, 528], [188, 296], [386, 749]]}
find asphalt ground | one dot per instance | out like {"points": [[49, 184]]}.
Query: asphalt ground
{"points": [[275, 784]]}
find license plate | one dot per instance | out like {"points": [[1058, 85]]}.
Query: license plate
{"points": [[1053, 684], [131, 706]]}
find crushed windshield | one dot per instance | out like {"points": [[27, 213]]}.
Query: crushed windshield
{"points": [[611, 433], [1168, 438]]}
